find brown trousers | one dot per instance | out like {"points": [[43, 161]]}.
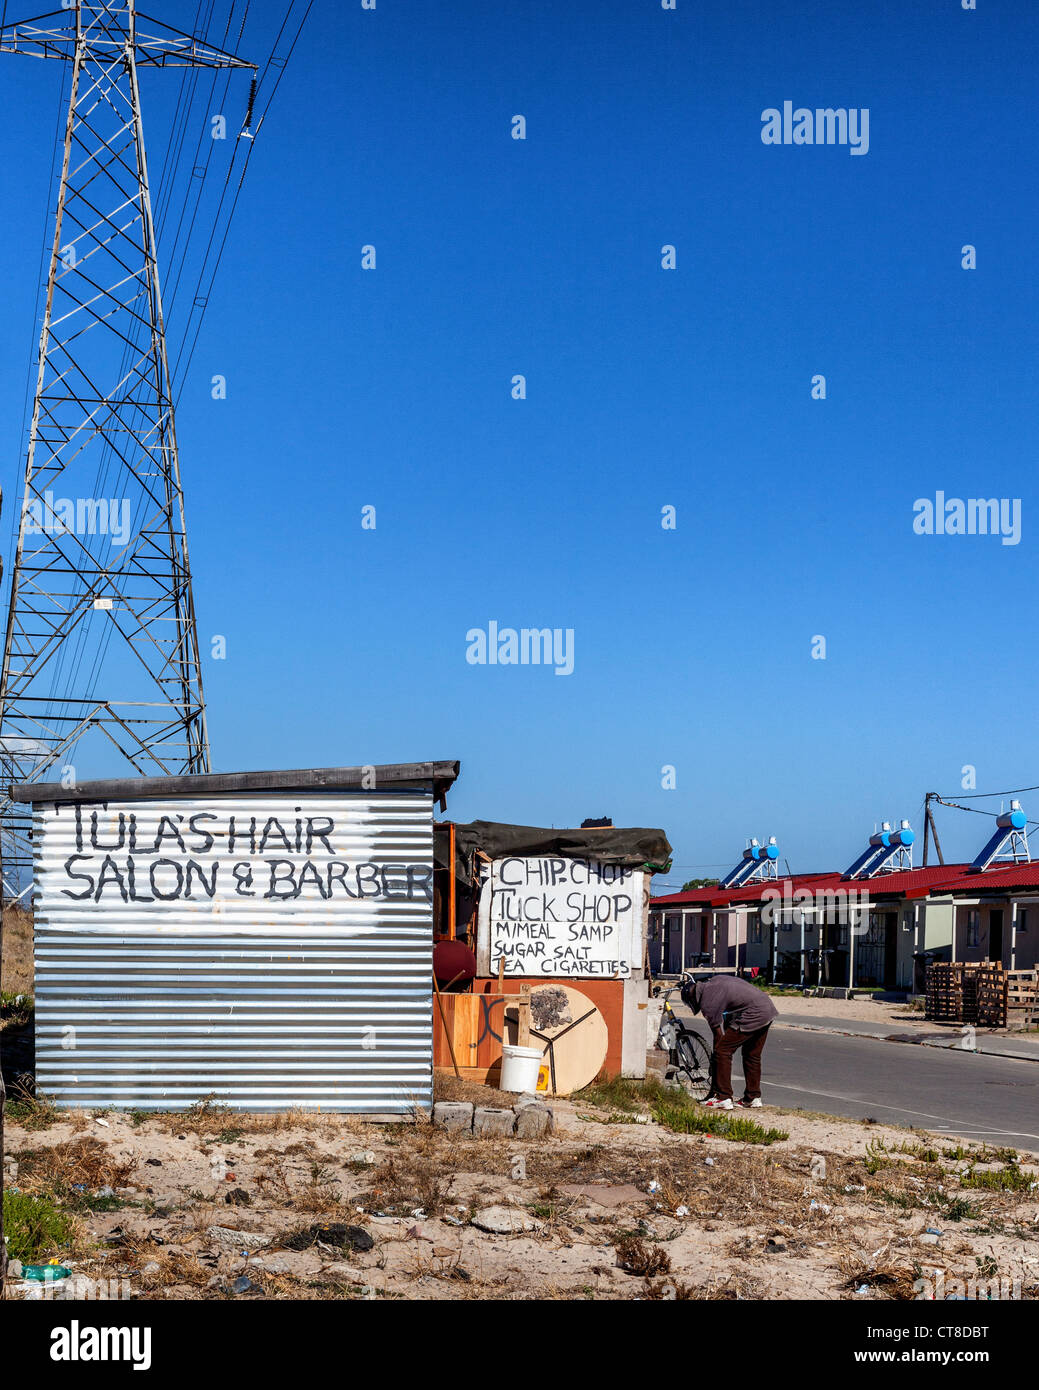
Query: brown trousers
{"points": [[726, 1043]]}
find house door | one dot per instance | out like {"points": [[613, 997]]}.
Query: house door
{"points": [[995, 934], [674, 944], [890, 950]]}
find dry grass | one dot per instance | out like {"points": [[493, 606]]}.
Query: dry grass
{"points": [[16, 968], [890, 1280], [210, 1119], [77, 1163], [670, 1290], [413, 1179], [738, 1184], [31, 1111], [318, 1194], [449, 1087], [175, 1266], [735, 1286], [636, 1257]]}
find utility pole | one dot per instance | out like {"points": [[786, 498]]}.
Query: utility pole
{"points": [[101, 641], [930, 827]]}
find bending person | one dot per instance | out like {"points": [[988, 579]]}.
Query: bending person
{"points": [[740, 1016]]}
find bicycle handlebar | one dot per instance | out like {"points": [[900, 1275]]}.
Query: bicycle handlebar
{"points": [[684, 979]]}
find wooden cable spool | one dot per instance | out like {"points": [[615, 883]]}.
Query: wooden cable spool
{"points": [[571, 1032]]}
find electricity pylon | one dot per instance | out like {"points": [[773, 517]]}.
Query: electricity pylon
{"points": [[101, 636]]}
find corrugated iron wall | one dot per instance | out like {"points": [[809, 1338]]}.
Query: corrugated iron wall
{"points": [[153, 991]]}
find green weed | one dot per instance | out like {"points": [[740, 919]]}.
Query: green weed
{"points": [[1007, 1179], [35, 1226]]}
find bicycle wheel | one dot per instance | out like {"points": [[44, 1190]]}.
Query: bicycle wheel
{"points": [[694, 1065]]}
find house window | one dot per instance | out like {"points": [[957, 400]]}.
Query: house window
{"points": [[973, 925], [754, 935], [875, 935], [1022, 919]]}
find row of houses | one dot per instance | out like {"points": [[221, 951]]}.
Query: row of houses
{"points": [[876, 924]]}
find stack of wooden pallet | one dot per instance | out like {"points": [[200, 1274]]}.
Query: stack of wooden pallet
{"points": [[970, 992], [990, 994], [945, 992], [1022, 998]]}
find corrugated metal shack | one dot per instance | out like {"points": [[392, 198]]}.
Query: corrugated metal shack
{"points": [[264, 938], [539, 906]]}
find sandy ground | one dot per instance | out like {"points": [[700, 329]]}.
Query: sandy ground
{"points": [[901, 1017], [616, 1209]]}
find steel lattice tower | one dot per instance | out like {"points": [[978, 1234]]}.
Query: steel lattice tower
{"points": [[91, 618]]}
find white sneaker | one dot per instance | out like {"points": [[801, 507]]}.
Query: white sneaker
{"points": [[716, 1103], [754, 1104]]}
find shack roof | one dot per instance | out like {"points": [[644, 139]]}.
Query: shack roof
{"points": [[435, 776], [632, 847]]}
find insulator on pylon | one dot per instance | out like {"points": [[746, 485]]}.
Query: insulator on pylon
{"points": [[247, 127]]}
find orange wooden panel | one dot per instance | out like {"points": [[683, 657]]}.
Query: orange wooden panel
{"points": [[478, 1025], [606, 995]]}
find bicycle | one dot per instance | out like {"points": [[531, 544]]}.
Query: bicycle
{"points": [[689, 1057]]}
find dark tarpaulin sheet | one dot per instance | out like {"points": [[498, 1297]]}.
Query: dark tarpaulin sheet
{"points": [[634, 847]]}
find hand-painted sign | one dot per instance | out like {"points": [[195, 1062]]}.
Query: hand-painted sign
{"points": [[245, 859], [567, 917]]}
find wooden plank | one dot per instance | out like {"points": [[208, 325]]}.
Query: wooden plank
{"points": [[483, 1076], [466, 1028], [446, 1026], [523, 1030], [438, 775]]}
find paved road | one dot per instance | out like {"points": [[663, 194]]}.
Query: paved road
{"points": [[973, 1095]]}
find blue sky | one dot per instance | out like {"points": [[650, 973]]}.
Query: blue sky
{"points": [[646, 388]]}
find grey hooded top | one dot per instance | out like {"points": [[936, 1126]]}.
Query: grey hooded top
{"points": [[726, 1001]]}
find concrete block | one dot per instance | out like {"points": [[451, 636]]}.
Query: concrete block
{"points": [[491, 1123], [504, 1221], [534, 1122], [456, 1116], [236, 1240], [656, 1063]]}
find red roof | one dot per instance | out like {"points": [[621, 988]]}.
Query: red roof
{"points": [[903, 883], [692, 898], [997, 880], [754, 892], [908, 883]]}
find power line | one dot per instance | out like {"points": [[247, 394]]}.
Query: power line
{"points": [[281, 64], [983, 796]]}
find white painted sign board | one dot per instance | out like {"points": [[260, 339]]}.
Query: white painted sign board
{"points": [[572, 918]]}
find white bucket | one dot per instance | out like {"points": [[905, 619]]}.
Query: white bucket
{"points": [[519, 1068]]}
